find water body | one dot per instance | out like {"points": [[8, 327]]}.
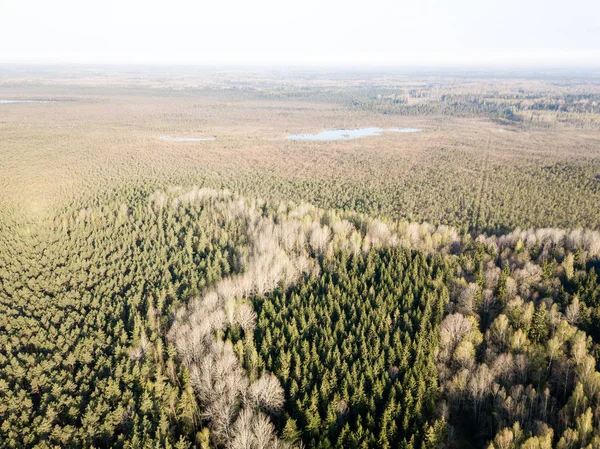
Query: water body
{"points": [[186, 139], [348, 134], [405, 130], [26, 101]]}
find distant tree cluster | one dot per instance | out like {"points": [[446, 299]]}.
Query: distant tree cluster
{"points": [[514, 107]]}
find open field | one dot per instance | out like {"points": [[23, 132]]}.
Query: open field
{"points": [[104, 131]]}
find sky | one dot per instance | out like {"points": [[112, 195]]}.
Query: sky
{"points": [[307, 32]]}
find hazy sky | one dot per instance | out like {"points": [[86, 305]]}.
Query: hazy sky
{"points": [[391, 32]]}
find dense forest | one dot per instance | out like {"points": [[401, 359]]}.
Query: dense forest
{"points": [[354, 348], [429, 290], [201, 318]]}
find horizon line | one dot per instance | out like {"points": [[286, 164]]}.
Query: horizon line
{"points": [[516, 64]]}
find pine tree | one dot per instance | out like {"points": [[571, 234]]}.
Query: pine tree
{"points": [[290, 433], [539, 324]]}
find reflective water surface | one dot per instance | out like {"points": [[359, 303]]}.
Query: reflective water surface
{"points": [[26, 101], [347, 134]]}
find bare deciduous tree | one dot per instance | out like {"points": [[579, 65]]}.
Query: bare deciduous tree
{"points": [[267, 394], [454, 327], [319, 237], [245, 317], [466, 299], [479, 386], [572, 312], [499, 333]]}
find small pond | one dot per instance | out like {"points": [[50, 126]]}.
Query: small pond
{"points": [[404, 130], [26, 101], [347, 134]]}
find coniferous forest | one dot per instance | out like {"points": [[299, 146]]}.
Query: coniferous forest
{"points": [[434, 289]]}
